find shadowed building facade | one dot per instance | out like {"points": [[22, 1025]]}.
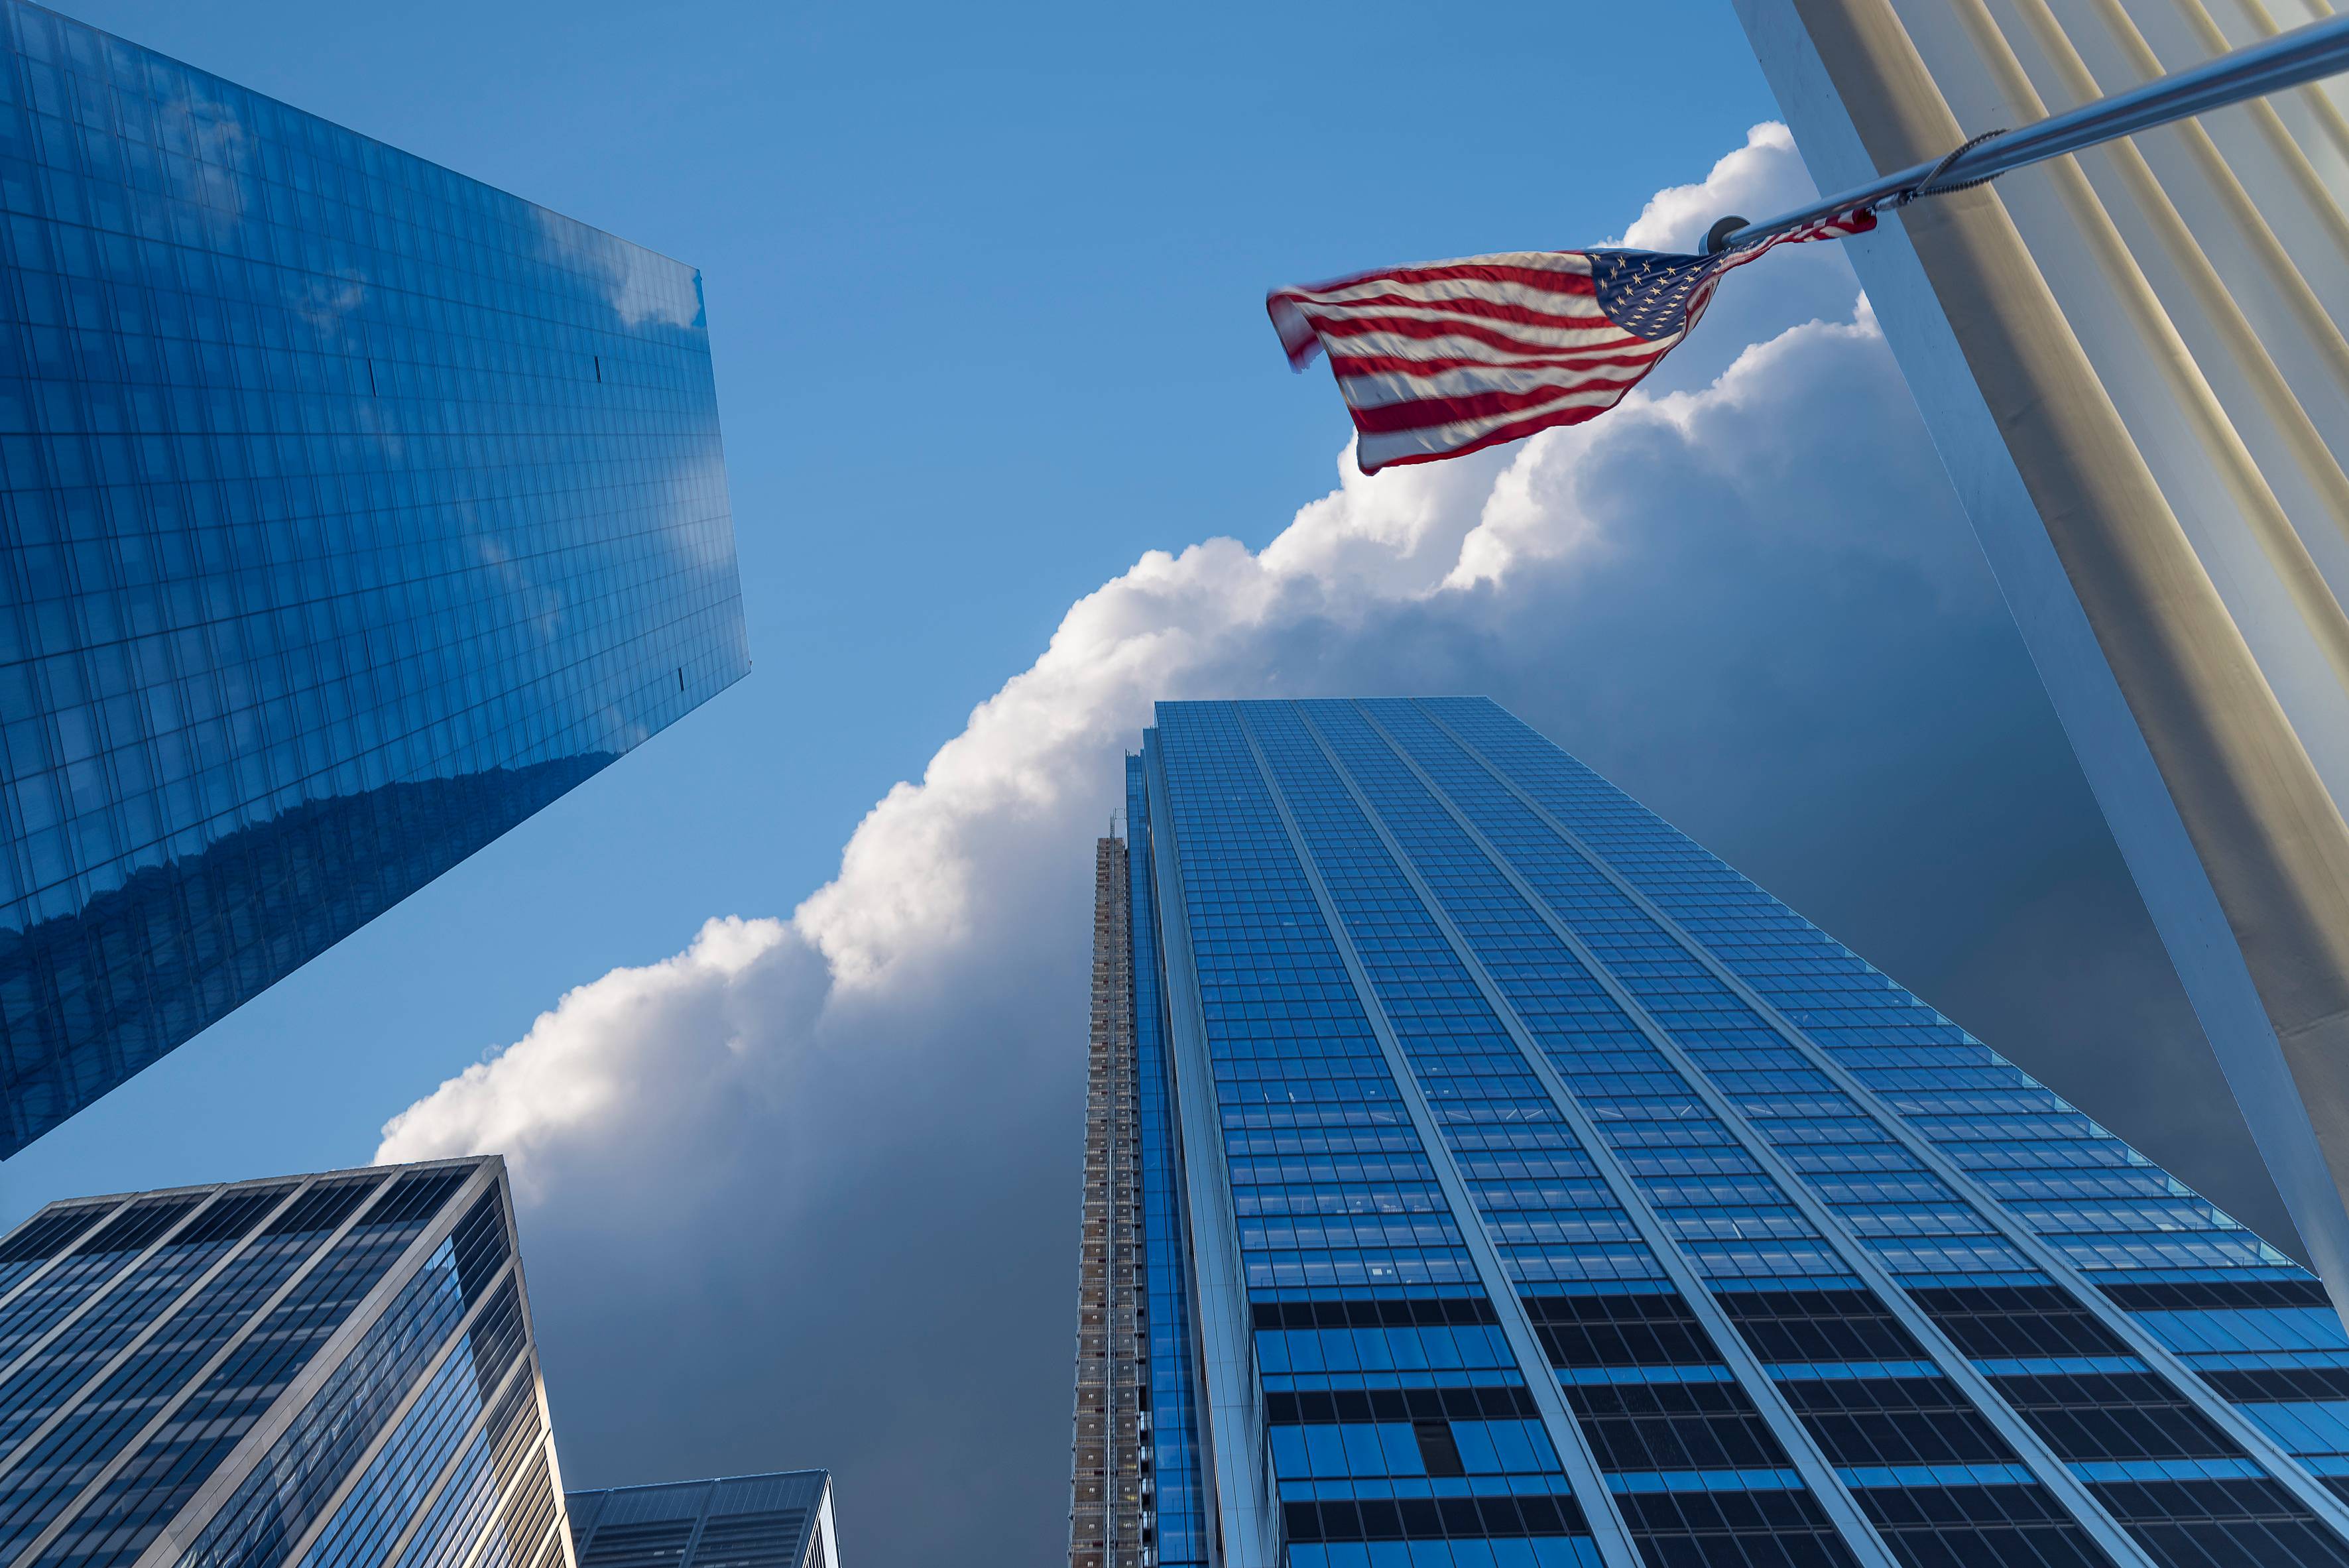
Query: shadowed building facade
{"points": [[777, 1520], [351, 512], [331, 1371], [1518, 1184]]}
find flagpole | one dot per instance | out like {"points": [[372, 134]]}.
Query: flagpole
{"points": [[2289, 59]]}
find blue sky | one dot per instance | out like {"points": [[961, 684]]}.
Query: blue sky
{"points": [[984, 294], [983, 302]]}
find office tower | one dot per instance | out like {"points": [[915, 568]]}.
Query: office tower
{"points": [[320, 1372], [2133, 362], [351, 510], [1521, 1185], [1109, 1484], [779, 1521]]}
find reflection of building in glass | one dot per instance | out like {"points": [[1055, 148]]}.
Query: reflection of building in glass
{"points": [[350, 511], [1519, 1184], [318, 1372], [779, 1520]]}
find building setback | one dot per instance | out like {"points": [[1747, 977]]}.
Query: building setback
{"points": [[351, 512], [777, 1520], [329, 1371], [1520, 1186]]}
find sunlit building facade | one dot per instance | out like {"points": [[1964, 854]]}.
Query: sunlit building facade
{"points": [[1519, 1185], [351, 510], [333, 1371], [781, 1520], [2133, 364]]}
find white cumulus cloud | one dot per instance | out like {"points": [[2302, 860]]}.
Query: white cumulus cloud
{"points": [[927, 876], [845, 1143]]}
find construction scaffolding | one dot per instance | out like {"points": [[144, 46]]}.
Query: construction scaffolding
{"points": [[1109, 1505]]}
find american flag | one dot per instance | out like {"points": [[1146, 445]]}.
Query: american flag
{"points": [[1449, 358]]}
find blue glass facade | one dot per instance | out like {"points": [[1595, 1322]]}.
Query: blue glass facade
{"points": [[1539, 1191], [782, 1520], [328, 1372], [350, 511], [1180, 1530]]}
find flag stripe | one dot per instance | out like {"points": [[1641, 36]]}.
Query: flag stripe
{"points": [[1349, 367], [1437, 413], [1397, 334], [1376, 453], [1384, 389], [1448, 357], [1558, 272], [1473, 307]]}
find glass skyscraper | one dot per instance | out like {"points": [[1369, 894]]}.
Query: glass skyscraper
{"points": [[777, 1520], [1519, 1185], [350, 511], [325, 1372]]}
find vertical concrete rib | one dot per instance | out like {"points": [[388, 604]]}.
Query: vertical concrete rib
{"points": [[1606, 1526], [2288, 154], [2287, 1471], [2042, 1461], [2197, 401]]}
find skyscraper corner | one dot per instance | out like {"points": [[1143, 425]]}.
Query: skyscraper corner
{"points": [[1516, 1183], [316, 1371]]}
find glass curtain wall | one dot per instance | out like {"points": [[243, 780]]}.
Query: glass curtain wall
{"points": [[1583, 1203], [779, 1521], [351, 510], [325, 1372]]}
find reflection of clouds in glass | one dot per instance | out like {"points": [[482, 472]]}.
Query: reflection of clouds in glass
{"points": [[393, 511], [640, 285], [622, 731], [329, 302], [213, 154], [379, 428], [540, 607], [704, 535]]}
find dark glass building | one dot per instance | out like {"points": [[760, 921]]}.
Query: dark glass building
{"points": [[1518, 1185], [319, 1372], [350, 511], [777, 1520]]}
